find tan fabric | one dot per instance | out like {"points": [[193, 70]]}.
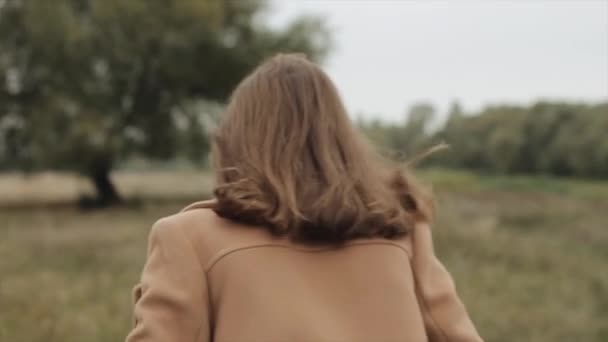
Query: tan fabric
{"points": [[210, 279]]}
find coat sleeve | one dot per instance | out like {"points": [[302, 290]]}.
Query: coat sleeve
{"points": [[171, 301], [445, 317]]}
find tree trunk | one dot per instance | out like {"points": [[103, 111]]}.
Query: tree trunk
{"points": [[105, 191]]}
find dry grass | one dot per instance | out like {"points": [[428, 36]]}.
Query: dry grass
{"points": [[529, 262], [23, 190]]}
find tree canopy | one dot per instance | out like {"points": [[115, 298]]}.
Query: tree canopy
{"points": [[552, 138], [87, 83]]}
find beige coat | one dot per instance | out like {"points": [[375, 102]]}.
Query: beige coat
{"points": [[210, 279]]}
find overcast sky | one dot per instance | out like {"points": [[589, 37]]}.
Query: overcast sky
{"points": [[390, 54]]}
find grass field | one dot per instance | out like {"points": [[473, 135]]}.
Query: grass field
{"points": [[529, 255]]}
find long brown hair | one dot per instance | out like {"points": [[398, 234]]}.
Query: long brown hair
{"points": [[288, 158]]}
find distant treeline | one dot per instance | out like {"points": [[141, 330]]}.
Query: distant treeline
{"points": [[562, 139]]}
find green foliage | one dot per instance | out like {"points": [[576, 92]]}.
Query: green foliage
{"points": [[401, 141], [87, 83], [559, 139]]}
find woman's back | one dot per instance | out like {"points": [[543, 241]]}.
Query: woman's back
{"points": [[290, 166], [212, 279]]}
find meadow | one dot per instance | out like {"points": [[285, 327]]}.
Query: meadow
{"points": [[529, 255]]}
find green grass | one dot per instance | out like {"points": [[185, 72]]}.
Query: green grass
{"points": [[528, 255], [468, 181]]}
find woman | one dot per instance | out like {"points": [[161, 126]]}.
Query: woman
{"points": [[310, 236]]}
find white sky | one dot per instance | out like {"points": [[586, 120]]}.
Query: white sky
{"points": [[390, 54]]}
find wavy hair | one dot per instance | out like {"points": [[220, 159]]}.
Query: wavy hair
{"points": [[287, 158]]}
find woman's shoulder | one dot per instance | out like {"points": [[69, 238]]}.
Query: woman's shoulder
{"points": [[189, 220], [208, 233]]}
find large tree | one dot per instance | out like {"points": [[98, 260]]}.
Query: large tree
{"points": [[87, 83]]}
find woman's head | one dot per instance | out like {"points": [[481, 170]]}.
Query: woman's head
{"points": [[287, 157]]}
